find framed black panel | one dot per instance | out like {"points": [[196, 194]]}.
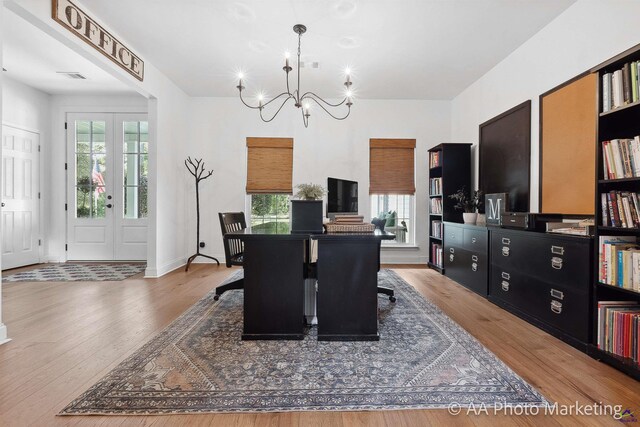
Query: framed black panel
{"points": [[505, 156]]}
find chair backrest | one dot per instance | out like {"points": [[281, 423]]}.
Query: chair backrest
{"points": [[231, 222]]}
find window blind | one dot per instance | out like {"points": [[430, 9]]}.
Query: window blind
{"points": [[391, 166], [269, 165]]}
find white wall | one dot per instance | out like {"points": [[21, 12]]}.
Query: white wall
{"points": [[220, 126], [54, 191], [586, 34]]}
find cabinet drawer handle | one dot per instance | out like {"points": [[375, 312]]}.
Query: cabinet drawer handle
{"points": [[451, 257], [474, 258], [505, 251], [473, 240], [506, 276], [558, 250], [556, 307], [452, 250], [505, 286], [506, 241], [556, 262], [474, 267], [557, 294]]}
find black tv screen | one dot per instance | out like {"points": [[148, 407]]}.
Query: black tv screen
{"points": [[342, 196]]}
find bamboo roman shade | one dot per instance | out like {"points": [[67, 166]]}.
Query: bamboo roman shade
{"points": [[391, 166], [269, 165]]}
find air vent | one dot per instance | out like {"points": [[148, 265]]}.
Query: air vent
{"points": [[72, 75], [314, 64]]}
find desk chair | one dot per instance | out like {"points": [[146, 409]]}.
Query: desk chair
{"points": [[233, 249], [382, 289]]}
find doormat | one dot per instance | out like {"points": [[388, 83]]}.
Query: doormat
{"points": [[76, 272], [199, 364]]}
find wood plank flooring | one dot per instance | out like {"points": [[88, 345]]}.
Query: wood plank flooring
{"points": [[66, 336]]}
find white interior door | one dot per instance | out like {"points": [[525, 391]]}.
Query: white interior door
{"points": [[90, 176], [20, 204], [107, 186]]}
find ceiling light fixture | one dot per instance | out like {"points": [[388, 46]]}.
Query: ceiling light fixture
{"points": [[302, 101]]}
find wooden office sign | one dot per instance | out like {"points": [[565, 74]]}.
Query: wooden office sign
{"points": [[82, 25]]}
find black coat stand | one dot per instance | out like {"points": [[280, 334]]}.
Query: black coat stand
{"points": [[196, 168]]}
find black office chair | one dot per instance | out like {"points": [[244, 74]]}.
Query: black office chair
{"points": [[231, 222], [381, 289]]}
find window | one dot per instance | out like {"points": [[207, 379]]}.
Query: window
{"points": [[135, 168], [397, 210], [270, 213]]}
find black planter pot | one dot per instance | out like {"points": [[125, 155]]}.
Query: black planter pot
{"points": [[306, 216]]}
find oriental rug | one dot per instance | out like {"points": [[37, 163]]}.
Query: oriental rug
{"points": [[199, 364]]}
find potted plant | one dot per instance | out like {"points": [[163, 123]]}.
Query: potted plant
{"points": [[467, 204], [306, 209]]}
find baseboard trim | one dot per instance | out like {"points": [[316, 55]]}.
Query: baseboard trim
{"points": [[202, 260], [402, 259], [151, 273], [3, 334]]}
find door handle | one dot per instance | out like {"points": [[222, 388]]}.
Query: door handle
{"points": [[2, 204], [109, 205]]}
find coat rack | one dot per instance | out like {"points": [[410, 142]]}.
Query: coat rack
{"points": [[196, 168]]}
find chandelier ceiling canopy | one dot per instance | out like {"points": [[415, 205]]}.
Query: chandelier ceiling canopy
{"points": [[302, 101]]}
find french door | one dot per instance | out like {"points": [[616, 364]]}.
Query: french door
{"points": [[20, 204], [107, 165]]}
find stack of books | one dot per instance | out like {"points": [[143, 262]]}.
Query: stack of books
{"points": [[349, 219], [618, 328], [621, 158], [620, 88], [619, 261], [436, 254], [436, 206], [434, 159], [349, 224], [436, 186], [620, 209]]}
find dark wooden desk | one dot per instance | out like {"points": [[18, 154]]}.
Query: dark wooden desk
{"points": [[274, 273]]}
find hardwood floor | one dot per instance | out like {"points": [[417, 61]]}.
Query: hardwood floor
{"points": [[66, 336]]}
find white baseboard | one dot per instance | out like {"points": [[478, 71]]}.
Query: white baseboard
{"points": [[150, 273], [388, 258], [3, 334], [203, 260]]}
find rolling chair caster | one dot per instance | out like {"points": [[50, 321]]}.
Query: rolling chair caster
{"points": [[216, 297], [392, 299]]}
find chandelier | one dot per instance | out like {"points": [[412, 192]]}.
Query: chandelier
{"points": [[302, 101]]}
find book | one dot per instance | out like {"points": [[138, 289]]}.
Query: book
{"points": [[606, 92]]}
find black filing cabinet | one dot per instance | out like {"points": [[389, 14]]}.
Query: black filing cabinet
{"points": [[466, 255], [544, 278]]}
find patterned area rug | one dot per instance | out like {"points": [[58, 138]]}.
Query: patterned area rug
{"points": [[69, 272], [199, 364]]}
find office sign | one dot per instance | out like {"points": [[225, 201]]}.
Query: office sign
{"points": [[82, 25], [494, 207]]}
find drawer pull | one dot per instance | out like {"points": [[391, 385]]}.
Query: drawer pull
{"points": [[474, 258], [506, 276], [506, 241], [556, 262], [556, 307], [505, 286], [557, 294], [452, 250], [558, 250], [473, 240], [451, 257], [505, 251], [474, 266]]}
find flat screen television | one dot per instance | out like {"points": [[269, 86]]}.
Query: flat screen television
{"points": [[342, 196]]}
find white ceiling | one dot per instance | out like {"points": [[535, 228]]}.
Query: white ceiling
{"points": [[34, 58], [405, 49]]}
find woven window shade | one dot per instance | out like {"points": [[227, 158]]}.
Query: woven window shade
{"points": [[391, 166], [269, 165]]}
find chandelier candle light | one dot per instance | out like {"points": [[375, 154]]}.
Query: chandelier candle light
{"points": [[301, 101]]}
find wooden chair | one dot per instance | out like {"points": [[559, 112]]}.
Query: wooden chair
{"points": [[231, 222]]}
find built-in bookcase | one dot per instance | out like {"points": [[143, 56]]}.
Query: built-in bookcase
{"points": [[449, 170], [617, 214]]}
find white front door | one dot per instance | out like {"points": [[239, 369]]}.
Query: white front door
{"points": [[20, 204], [107, 186]]}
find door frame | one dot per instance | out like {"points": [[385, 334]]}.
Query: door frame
{"points": [[41, 145]]}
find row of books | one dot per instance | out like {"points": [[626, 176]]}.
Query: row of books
{"points": [[620, 87], [435, 185], [620, 209], [619, 328], [435, 159], [436, 206], [619, 262], [621, 158], [436, 254], [437, 229]]}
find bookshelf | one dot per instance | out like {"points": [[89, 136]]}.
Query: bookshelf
{"points": [[449, 170], [617, 180]]}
